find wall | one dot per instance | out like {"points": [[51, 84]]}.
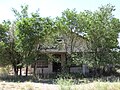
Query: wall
{"points": [[45, 70], [75, 69]]}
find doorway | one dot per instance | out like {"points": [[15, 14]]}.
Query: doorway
{"points": [[56, 67]]}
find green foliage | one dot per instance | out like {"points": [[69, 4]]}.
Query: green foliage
{"points": [[7, 43], [34, 34], [4, 71], [102, 31], [82, 58], [67, 26], [22, 14], [65, 84]]}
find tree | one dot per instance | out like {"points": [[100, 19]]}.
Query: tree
{"points": [[3, 40], [12, 51], [70, 32], [34, 34], [102, 31], [9, 54]]}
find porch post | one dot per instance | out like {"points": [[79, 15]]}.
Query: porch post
{"points": [[85, 69], [63, 62]]}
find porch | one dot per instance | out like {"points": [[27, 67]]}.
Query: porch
{"points": [[53, 66]]}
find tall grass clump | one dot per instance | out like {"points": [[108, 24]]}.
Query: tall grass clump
{"points": [[65, 84], [4, 72]]}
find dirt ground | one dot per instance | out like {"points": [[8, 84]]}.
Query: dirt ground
{"points": [[44, 86], [27, 86]]}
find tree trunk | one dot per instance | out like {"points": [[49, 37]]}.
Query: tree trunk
{"points": [[26, 70], [20, 71], [66, 63], [34, 69], [15, 70]]}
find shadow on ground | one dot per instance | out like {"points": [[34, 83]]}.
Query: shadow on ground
{"points": [[12, 78]]}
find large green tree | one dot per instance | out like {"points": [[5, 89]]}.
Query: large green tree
{"points": [[102, 32], [9, 54], [34, 34], [99, 28], [70, 30]]}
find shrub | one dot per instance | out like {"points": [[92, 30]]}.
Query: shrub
{"points": [[65, 84], [3, 72]]}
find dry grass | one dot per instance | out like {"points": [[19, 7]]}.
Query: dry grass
{"points": [[99, 86], [41, 86]]}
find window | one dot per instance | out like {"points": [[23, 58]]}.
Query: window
{"points": [[42, 64]]}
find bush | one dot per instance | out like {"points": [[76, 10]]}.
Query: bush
{"points": [[4, 72], [70, 75], [64, 75], [65, 84]]}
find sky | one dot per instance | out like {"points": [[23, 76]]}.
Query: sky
{"points": [[54, 8]]}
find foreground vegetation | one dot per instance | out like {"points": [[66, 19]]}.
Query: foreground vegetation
{"points": [[68, 86], [58, 82], [61, 82]]}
